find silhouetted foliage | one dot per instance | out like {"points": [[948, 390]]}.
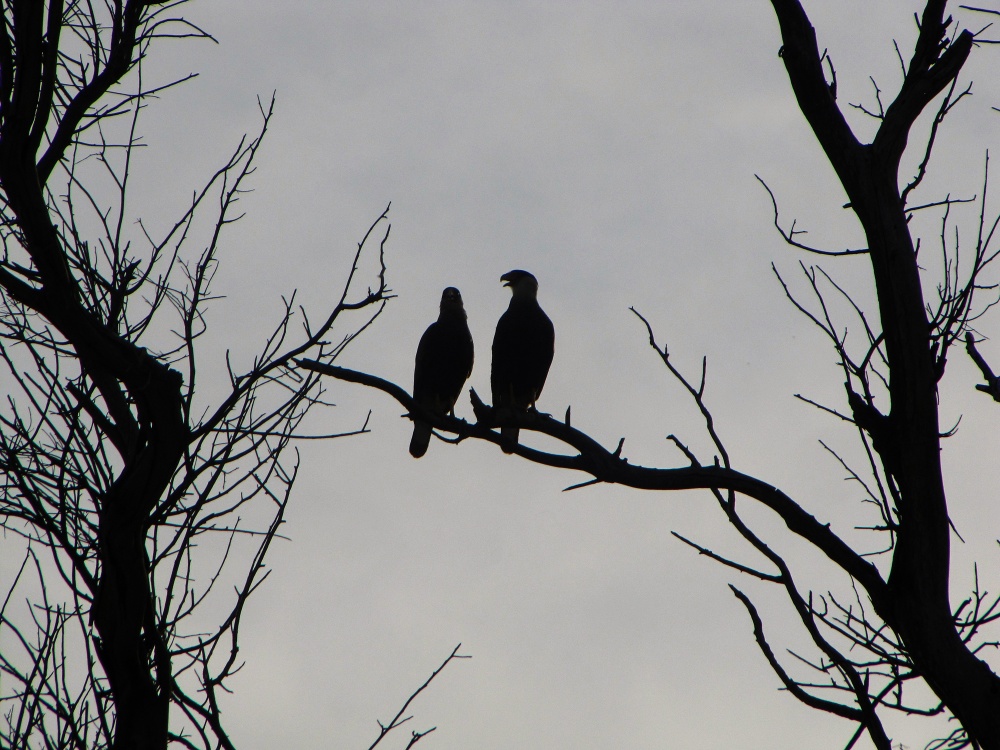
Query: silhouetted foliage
{"points": [[141, 504]]}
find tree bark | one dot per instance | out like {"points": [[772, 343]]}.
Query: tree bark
{"points": [[918, 606], [142, 397]]}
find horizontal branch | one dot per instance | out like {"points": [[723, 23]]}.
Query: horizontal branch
{"points": [[611, 468]]}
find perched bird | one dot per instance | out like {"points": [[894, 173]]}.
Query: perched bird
{"points": [[443, 364], [522, 349]]}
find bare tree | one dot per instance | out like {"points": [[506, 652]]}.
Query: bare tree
{"points": [[897, 626], [144, 507]]}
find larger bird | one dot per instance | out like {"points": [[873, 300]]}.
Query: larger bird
{"points": [[443, 364], [522, 350]]}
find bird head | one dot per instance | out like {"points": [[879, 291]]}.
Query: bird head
{"points": [[521, 283], [451, 301]]}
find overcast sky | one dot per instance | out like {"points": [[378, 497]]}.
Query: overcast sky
{"points": [[609, 148]]}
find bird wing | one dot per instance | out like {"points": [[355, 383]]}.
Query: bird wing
{"points": [[523, 348], [443, 364]]}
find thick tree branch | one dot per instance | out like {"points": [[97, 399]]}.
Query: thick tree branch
{"points": [[934, 66], [803, 62], [604, 465], [907, 436]]}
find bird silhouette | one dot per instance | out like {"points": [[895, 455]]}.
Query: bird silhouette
{"points": [[522, 350], [443, 364]]}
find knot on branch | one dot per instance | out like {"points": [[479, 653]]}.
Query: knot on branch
{"points": [[485, 414], [939, 360], [490, 416], [877, 425], [992, 384]]}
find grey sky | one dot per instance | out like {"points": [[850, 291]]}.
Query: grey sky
{"points": [[610, 148]]}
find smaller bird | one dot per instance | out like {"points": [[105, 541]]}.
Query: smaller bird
{"points": [[523, 347], [443, 364]]}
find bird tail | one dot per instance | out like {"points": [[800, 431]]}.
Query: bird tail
{"points": [[420, 440], [511, 434]]}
